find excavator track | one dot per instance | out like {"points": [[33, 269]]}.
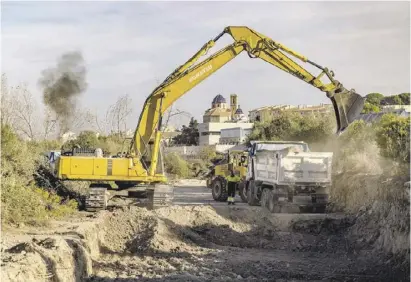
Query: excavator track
{"points": [[97, 199], [158, 196]]}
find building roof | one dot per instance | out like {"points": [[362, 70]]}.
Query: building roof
{"points": [[217, 112], [295, 108], [276, 107], [372, 117], [239, 111], [313, 108], [219, 99]]}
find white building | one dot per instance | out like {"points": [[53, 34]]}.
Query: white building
{"points": [[236, 135], [219, 117], [393, 108], [210, 133]]}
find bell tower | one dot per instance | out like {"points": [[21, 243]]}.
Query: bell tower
{"points": [[233, 105]]}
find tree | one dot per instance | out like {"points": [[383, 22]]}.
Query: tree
{"points": [[405, 98], [7, 104], [378, 99], [391, 100], [294, 127], [393, 137], [171, 113], [26, 112], [370, 108], [19, 109], [189, 134], [86, 139], [115, 121], [115, 118], [374, 98], [120, 113], [49, 124]]}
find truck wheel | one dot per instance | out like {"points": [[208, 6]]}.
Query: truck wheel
{"points": [[251, 200], [242, 190], [273, 204], [265, 197], [219, 189]]}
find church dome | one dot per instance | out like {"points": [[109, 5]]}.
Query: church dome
{"points": [[239, 111], [219, 99]]}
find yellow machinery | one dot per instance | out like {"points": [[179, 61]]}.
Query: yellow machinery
{"points": [[236, 159], [142, 164]]}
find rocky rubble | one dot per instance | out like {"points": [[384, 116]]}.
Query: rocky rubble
{"points": [[201, 243]]}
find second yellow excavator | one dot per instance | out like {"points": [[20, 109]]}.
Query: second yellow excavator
{"points": [[142, 166]]}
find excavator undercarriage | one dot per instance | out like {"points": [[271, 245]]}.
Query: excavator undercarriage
{"points": [[105, 193], [103, 196]]}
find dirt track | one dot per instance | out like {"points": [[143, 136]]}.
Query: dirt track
{"points": [[195, 242]]}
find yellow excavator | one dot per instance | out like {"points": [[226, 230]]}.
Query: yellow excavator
{"points": [[142, 165]]}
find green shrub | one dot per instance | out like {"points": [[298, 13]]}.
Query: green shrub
{"points": [[367, 159], [290, 126], [207, 154], [176, 166], [86, 139], [374, 98], [198, 166], [21, 203], [393, 137], [370, 108], [113, 144], [21, 200], [110, 144]]}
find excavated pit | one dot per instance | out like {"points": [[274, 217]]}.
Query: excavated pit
{"points": [[197, 243]]}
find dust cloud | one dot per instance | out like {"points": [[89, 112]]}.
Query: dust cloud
{"points": [[61, 86]]}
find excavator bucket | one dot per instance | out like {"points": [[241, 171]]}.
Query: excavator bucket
{"points": [[347, 106]]}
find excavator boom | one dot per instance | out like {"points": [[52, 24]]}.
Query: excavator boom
{"points": [[347, 104]]}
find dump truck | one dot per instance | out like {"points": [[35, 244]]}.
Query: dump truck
{"points": [[287, 173]]}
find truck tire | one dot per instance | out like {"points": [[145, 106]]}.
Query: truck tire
{"points": [[219, 189], [265, 197], [251, 200], [273, 203], [242, 190]]}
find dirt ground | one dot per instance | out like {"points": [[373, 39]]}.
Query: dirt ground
{"points": [[195, 240]]}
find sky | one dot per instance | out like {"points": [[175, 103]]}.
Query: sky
{"points": [[130, 47]]}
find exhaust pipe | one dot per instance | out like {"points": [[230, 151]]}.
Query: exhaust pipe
{"points": [[347, 106]]}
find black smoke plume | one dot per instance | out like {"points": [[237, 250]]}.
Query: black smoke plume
{"points": [[62, 84]]}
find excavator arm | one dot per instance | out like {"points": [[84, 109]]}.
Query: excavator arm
{"points": [[347, 104]]}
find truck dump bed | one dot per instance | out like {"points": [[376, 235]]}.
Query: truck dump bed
{"points": [[293, 168]]}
